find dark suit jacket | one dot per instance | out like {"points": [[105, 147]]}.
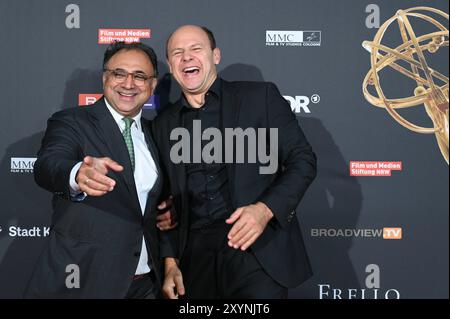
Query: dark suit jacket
{"points": [[280, 249], [102, 235]]}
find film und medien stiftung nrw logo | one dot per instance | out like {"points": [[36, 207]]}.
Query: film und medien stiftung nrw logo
{"points": [[293, 38], [22, 164]]}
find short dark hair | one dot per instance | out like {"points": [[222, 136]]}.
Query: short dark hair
{"points": [[211, 38], [117, 46]]}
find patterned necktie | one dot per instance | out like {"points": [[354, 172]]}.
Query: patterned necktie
{"points": [[128, 140]]}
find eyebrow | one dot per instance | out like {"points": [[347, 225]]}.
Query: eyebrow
{"points": [[134, 71], [190, 46]]}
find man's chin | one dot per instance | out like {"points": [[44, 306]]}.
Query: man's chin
{"points": [[192, 89], [190, 85], [126, 110]]}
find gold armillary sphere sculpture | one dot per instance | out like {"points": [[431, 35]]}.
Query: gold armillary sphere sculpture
{"points": [[431, 85]]}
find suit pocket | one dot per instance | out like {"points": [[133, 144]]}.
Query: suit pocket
{"points": [[65, 268], [75, 261], [74, 250]]}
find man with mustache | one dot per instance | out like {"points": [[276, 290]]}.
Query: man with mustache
{"points": [[102, 166]]}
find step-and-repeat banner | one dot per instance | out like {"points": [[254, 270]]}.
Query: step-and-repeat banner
{"points": [[368, 81]]}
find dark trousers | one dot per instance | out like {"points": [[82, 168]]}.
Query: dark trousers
{"points": [[212, 269], [144, 287]]}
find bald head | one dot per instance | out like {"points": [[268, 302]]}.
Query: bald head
{"points": [[192, 58], [191, 27]]}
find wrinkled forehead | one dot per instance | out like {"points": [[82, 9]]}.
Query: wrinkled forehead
{"points": [[187, 36], [131, 60]]}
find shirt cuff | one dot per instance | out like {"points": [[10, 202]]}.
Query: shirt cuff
{"points": [[75, 192]]}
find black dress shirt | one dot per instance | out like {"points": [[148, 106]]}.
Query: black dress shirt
{"points": [[207, 183]]}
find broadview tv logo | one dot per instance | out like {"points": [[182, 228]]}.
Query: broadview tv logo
{"points": [[22, 164], [385, 233], [392, 233]]}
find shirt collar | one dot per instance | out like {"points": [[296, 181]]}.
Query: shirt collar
{"points": [[118, 117], [214, 89]]}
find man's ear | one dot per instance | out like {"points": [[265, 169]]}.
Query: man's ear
{"points": [[216, 55], [170, 67], [153, 84]]}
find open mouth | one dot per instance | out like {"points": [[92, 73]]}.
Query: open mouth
{"points": [[127, 94], [193, 70]]}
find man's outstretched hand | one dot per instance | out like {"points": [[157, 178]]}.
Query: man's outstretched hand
{"points": [[91, 177]]}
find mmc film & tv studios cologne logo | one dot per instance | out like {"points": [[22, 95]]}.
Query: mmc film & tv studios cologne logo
{"points": [[22, 164], [293, 38]]}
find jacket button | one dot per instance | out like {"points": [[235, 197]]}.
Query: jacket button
{"points": [[137, 254]]}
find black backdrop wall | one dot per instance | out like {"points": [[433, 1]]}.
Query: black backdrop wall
{"points": [[368, 236]]}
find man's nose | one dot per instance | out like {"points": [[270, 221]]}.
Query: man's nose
{"points": [[186, 56], [129, 81]]}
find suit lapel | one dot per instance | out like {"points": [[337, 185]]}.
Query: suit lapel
{"points": [[110, 134], [180, 169], [150, 144], [154, 153], [230, 106]]}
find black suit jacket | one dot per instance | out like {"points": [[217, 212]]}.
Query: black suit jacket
{"points": [[101, 235], [280, 249]]}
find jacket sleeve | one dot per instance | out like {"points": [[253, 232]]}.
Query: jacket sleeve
{"points": [[296, 160], [168, 244], [60, 151]]}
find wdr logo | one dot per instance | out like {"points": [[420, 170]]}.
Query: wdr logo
{"points": [[300, 103]]}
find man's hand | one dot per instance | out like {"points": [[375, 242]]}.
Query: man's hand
{"points": [[173, 280], [249, 223], [91, 177], [166, 218]]}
